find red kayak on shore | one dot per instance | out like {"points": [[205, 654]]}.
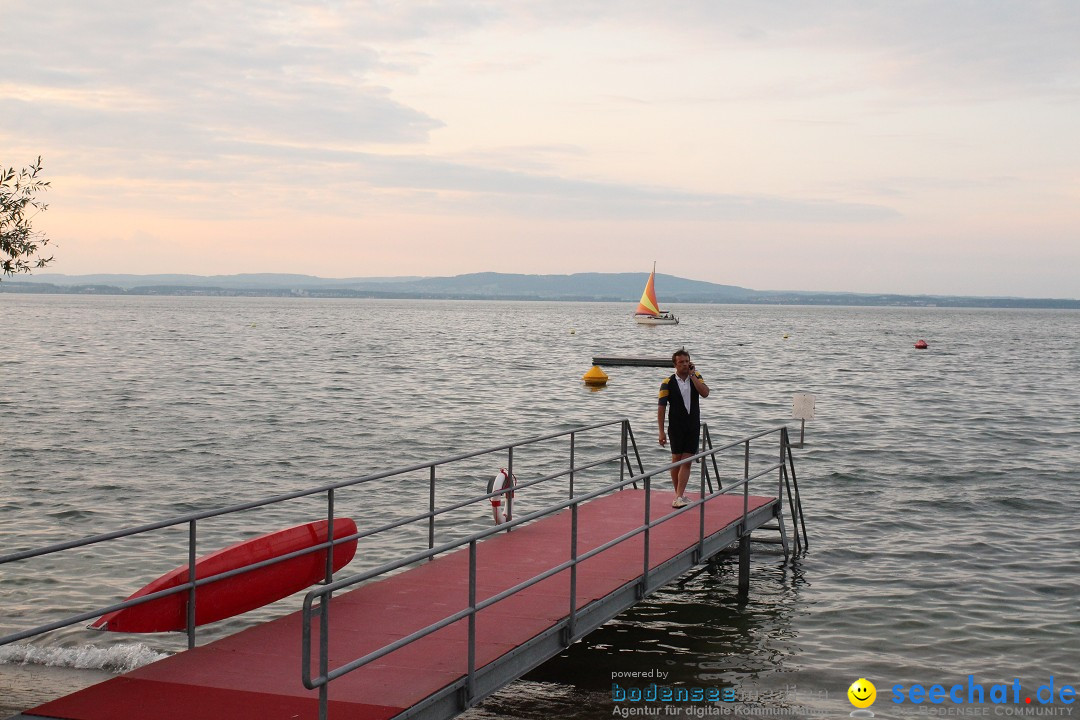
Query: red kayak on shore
{"points": [[239, 593]]}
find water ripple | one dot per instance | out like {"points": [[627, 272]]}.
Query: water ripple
{"points": [[940, 486]]}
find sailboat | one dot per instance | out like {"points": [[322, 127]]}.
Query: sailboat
{"points": [[648, 310]]}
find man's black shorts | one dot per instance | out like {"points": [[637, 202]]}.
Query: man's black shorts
{"points": [[683, 441]]}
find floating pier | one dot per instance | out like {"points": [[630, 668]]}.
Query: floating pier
{"points": [[434, 632], [633, 361]]}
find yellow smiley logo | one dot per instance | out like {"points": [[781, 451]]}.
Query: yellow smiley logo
{"points": [[862, 693]]}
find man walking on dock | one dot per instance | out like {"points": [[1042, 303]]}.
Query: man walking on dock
{"points": [[680, 392]]}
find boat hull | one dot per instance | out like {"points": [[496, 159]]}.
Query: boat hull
{"points": [[240, 593], [665, 319]]}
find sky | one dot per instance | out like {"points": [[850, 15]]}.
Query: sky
{"points": [[840, 145]]}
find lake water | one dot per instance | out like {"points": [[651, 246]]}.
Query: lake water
{"points": [[941, 486]]}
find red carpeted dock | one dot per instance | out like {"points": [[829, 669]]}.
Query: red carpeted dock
{"points": [[256, 673]]}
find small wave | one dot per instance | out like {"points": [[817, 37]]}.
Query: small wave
{"points": [[117, 659], [72, 514]]}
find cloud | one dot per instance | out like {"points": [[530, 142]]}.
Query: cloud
{"points": [[282, 96], [868, 122], [198, 74], [964, 51]]}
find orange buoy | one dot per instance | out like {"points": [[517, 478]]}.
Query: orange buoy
{"points": [[921, 345], [595, 377]]}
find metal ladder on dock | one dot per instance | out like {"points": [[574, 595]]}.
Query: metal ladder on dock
{"points": [[791, 485]]}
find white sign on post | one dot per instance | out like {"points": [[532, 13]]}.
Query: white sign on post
{"points": [[802, 408]]}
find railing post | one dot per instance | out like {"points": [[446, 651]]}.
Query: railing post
{"points": [[701, 528], [324, 689], [431, 509], [633, 443], [324, 616], [785, 481], [330, 536], [746, 484], [470, 683], [716, 468], [798, 500], [193, 590], [744, 536], [624, 460], [571, 465], [510, 474], [571, 625], [648, 520], [780, 474]]}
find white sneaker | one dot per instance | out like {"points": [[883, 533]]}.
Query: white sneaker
{"points": [[680, 502]]}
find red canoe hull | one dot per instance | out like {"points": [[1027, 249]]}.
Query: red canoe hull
{"points": [[239, 593]]}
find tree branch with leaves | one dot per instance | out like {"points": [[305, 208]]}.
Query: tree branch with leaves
{"points": [[20, 245]]}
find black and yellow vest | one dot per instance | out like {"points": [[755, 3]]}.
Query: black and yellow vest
{"points": [[678, 415]]}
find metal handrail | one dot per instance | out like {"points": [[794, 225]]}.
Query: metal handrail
{"points": [[192, 518], [228, 510], [324, 594]]}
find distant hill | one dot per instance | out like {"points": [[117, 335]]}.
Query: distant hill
{"points": [[618, 287], [581, 286], [267, 281], [611, 287]]}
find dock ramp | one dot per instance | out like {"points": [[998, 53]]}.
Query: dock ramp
{"points": [[434, 632]]}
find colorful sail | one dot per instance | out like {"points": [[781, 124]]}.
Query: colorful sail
{"points": [[648, 304]]}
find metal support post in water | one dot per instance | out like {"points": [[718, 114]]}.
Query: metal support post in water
{"points": [[744, 566], [191, 592]]}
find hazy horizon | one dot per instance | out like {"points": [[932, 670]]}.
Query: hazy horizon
{"points": [[48, 276]]}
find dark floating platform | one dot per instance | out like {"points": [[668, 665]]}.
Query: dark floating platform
{"points": [[637, 362]]}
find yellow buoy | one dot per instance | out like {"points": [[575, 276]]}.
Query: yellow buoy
{"points": [[595, 377]]}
